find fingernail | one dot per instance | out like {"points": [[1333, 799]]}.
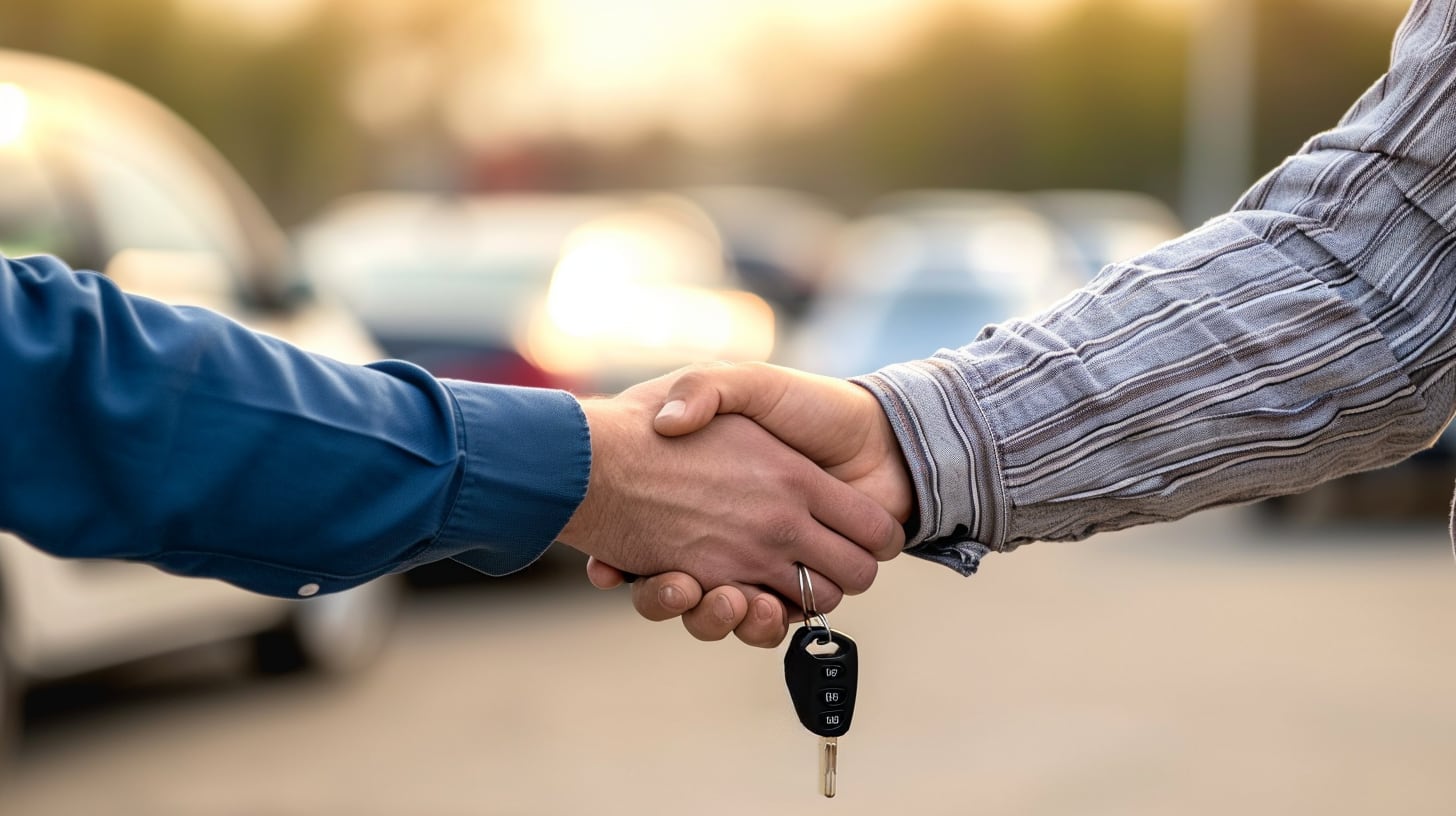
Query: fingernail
{"points": [[670, 597], [723, 608], [763, 610], [673, 410]]}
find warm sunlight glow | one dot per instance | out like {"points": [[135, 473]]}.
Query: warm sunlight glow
{"points": [[710, 70], [611, 71], [14, 113], [1035, 10], [265, 19], [636, 292]]}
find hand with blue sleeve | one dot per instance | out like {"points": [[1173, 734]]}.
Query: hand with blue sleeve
{"points": [[175, 436]]}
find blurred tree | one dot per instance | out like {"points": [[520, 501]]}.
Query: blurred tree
{"points": [[1106, 90], [1093, 99], [1315, 58], [1090, 98], [271, 106]]}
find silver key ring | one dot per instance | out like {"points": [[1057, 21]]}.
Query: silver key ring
{"points": [[806, 602]]}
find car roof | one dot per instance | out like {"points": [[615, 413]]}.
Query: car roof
{"points": [[90, 98]]}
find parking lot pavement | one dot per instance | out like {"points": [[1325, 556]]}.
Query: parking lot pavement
{"points": [[1211, 666]]}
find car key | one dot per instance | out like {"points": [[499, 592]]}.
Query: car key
{"points": [[822, 687]]}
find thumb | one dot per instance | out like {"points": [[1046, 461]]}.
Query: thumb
{"points": [[684, 413], [702, 392]]}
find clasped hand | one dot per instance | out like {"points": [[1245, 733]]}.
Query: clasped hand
{"points": [[718, 511]]}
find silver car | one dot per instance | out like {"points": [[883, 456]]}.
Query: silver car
{"points": [[928, 270], [105, 178]]}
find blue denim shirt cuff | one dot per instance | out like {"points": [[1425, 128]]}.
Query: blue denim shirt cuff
{"points": [[527, 458]]}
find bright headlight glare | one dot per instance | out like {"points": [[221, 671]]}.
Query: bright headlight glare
{"points": [[649, 326]]}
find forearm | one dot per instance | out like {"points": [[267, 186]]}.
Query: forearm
{"points": [[180, 438], [1306, 335], [1153, 394]]}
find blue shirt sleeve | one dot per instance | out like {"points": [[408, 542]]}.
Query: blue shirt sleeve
{"points": [[177, 437]]}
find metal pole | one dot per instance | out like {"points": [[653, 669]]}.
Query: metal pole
{"points": [[1219, 125]]}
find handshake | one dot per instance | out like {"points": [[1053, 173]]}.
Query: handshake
{"points": [[716, 481]]}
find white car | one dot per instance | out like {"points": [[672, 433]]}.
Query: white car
{"points": [[105, 178]]}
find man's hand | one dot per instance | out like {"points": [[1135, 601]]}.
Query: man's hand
{"points": [[833, 422], [728, 506], [837, 424], [756, 616]]}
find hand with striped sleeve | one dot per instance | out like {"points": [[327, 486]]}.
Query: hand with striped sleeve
{"points": [[1308, 333], [838, 425]]}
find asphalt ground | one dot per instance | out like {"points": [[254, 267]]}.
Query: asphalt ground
{"points": [[1212, 666]]}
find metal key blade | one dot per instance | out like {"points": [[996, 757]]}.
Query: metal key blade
{"points": [[821, 671], [828, 765]]}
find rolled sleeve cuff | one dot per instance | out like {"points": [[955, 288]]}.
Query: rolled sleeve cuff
{"points": [[952, 456], [527, 458]]}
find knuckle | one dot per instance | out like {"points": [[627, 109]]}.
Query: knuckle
{"points": [[784, 529], [690, 380], [861, 575], [892, 548], [700, 372], [805, 476], [887, 537]]}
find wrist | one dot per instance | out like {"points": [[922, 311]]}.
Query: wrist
{"points": [[892, 485], [587, 513]]}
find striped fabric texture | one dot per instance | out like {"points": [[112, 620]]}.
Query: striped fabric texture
{"points": [[1306, 334]]}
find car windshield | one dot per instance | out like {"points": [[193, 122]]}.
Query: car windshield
{"points": [[93, 169], [433, 269]]}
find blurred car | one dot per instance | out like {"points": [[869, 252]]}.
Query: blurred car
{"points": [[105, 178], [588, 293], [925, 271], [446, 281], [777, 240], [1104, 226]]}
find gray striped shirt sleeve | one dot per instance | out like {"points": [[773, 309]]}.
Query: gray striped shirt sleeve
{"points": [[1306, 334]]}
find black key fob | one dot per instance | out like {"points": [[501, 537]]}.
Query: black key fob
{"points": [[822, 685]]}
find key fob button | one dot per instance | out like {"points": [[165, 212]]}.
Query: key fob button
{"points": [[832, 721], [832, 697]]}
